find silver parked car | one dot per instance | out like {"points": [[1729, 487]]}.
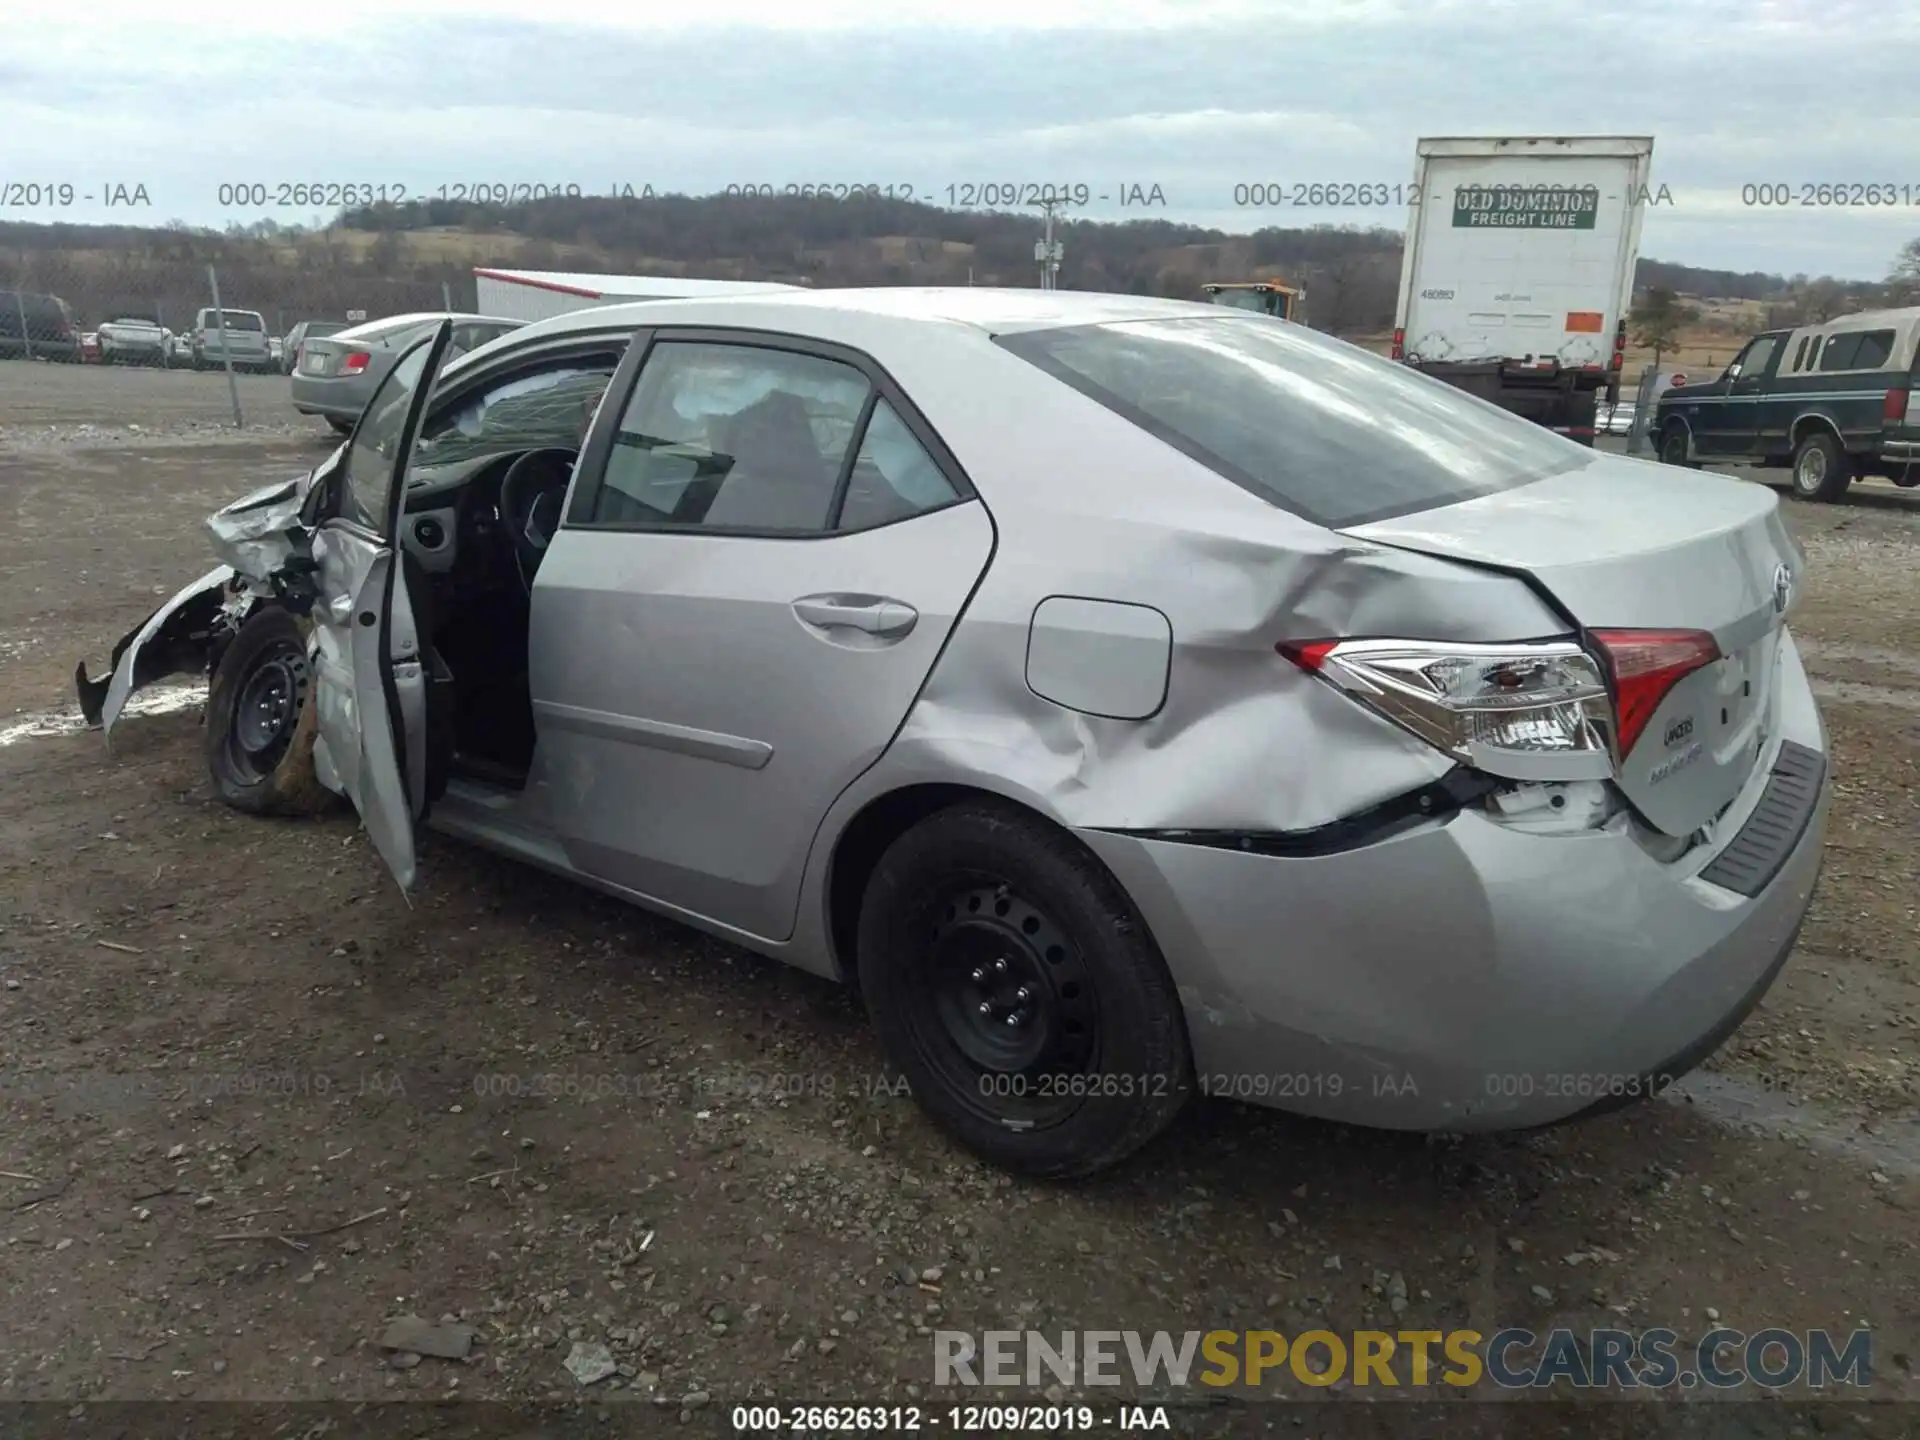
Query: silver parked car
{"points": [[301, 333], [133, 340], [241, 334], [339, 373], [1139, 698]]}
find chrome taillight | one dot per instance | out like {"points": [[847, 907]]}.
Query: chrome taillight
{"points": [[1531, 710]]}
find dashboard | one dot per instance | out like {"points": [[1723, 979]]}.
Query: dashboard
{"points": [[458, 512]]}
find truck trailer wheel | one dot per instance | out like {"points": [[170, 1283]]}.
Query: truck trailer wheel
{"points": [[1821, 469], [261, 720]]}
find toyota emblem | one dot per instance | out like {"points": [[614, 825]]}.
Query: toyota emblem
{"points": [[1782, 589]]}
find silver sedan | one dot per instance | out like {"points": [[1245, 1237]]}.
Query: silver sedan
{"points": [[1140, 699], [338, 373]]}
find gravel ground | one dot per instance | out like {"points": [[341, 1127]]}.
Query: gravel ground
{"points": [[256, 1106]]}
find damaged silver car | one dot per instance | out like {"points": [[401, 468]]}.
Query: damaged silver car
{"points": [[1137, 699]]}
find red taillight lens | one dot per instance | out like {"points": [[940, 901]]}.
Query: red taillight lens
{"points": [[1399, 344], [1895, 410], [1309, 655], [1645, 665], [356, 362]]}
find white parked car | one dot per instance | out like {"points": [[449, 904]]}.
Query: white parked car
{"points": [[133, 340]]}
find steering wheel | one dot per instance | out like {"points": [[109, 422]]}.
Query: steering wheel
{"points": [[530, 496]]}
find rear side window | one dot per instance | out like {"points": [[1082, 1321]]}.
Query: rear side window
{"points": [[1876, 347], [1800, 354], [1862, 350], [1310, 424]]}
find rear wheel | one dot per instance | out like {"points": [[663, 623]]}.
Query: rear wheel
{"points": [[1822, 470], [1015, 987], [261, 720]]}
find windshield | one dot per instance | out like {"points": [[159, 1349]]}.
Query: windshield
{"points": [[1311, 424]]}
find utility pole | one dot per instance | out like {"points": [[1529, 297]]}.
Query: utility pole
{"points": [[1047, 252]]}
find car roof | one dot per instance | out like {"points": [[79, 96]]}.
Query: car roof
{"points": [[989, 311], [417, 317]]}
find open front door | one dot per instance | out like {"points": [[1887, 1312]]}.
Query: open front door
{"points": [[370, 679]]}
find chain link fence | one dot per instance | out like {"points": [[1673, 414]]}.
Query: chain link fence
{"points": [[176, 311]]}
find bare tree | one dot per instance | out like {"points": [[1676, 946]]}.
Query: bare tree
{"points": [[1903, 282]]}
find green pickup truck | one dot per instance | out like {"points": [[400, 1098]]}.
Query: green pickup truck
{"points": [[1833, 401]]}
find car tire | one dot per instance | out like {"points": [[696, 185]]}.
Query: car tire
{"points": [[1673, 447], [261, 720], [986, 905], [1822, 470], [340, 427]]}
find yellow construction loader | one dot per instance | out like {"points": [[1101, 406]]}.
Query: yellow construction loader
{"points": [[1268, 297]]}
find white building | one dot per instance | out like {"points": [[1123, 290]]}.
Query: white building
{"points": [[538, 294]]}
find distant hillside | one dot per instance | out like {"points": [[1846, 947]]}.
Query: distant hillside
{"points": [[385, 259]]}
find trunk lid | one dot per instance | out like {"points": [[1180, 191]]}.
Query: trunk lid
{"points": [[1626, 544], [320, 358]]}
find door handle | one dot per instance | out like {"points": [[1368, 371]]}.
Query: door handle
{"points": [[874, 615]]}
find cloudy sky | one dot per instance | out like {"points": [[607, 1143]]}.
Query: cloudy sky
{"points": [[1193, 96]]}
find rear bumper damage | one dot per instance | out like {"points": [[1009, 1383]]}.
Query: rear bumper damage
{"points": [[1462, 976]]}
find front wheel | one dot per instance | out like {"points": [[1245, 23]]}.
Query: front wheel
{"points": [[1673, 447], [1821, 469], [261, 720], [1015, 987]]}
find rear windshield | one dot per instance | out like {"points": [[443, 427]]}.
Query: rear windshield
{"points": [[384, 331], [236, 320], [317, 328], [1310, 424]]}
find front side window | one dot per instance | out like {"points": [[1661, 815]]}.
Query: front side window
{"points": [[1307, 423], [367, 491], [732, 437], [1753, 360]]}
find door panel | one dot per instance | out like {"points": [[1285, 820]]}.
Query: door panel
{"points": [[701, 698], [369, 681], [1748, 394]]}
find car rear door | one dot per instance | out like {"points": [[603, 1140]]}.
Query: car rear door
{"points": [[764, 552], [370, 677]]}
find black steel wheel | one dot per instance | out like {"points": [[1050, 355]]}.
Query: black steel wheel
{"points": [[261, 720], [1004, 1007], [1020, 994]]}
